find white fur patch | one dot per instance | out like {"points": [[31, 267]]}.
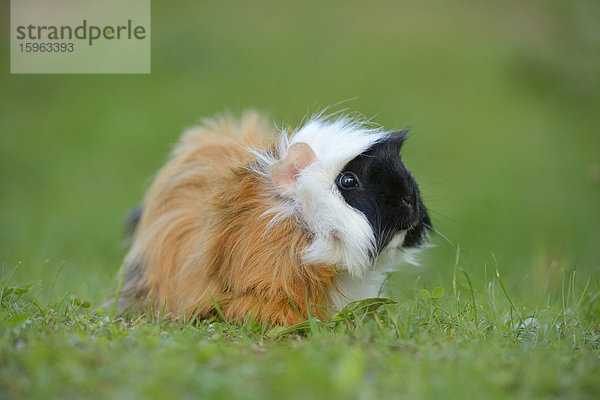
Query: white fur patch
{"points": [[342, 235], [350, 288], [337, 142]]}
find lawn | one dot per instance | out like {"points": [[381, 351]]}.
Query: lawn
{"points": [[503, 101]]}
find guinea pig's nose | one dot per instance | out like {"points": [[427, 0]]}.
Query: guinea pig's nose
{"points": [[408, 201]]}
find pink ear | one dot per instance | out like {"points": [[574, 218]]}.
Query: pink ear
{"points": [[284, 173]]}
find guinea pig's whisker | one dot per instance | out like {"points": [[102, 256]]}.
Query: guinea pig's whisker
{"points": [[439, 233], [443, 216]]}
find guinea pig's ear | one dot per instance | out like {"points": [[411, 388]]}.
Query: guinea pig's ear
{"points": [[284, 173]]}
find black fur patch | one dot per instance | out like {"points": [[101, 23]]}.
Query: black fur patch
{"points": [[387, 195]]}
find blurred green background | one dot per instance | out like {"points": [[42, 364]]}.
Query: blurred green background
{"points": [[503, 97]]}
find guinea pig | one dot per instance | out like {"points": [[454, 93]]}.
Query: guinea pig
{"points": [[278, 227]]}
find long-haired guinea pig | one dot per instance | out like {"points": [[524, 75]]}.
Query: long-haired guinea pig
{"points": [[274, 227]]}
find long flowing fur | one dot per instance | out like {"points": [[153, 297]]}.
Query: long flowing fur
{"points": [[207, 236]]}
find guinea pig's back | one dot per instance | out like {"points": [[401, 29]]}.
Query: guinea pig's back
{"points": [[177, 211], [223, 141]]}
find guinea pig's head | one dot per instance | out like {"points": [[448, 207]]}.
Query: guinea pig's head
{"points": [[345, 183]]}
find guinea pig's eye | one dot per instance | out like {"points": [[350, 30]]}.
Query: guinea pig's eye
{"points": [[348, 180]]}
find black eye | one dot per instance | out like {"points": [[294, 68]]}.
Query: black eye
{"points": [[348, 180]]}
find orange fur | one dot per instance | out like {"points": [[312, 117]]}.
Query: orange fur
{"points": [[204, 237]]}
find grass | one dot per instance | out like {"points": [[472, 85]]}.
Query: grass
{"points": [[465, 342], [503, 98]]}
